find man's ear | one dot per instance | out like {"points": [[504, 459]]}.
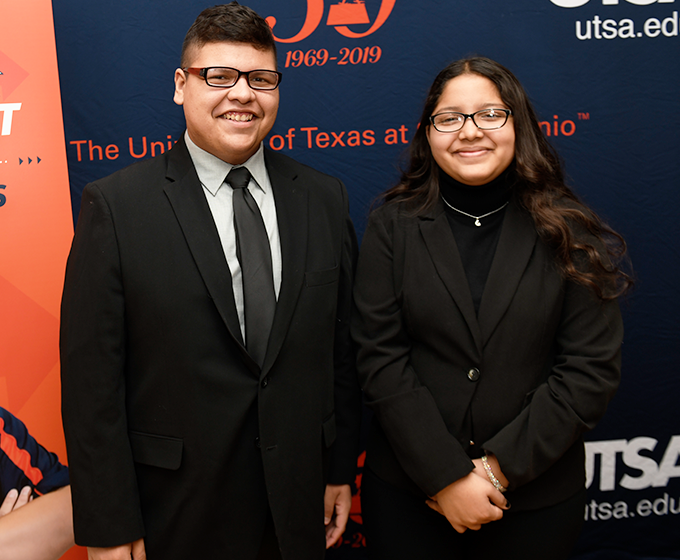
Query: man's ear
{"points": [[180, 82]]}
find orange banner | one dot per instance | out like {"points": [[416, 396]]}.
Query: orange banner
{"points": [[36, 226]]}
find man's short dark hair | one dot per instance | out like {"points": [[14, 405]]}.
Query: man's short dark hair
{"points": [[228, 23]]}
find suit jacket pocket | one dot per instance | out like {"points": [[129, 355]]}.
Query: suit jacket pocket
{"points": [[329, 430], [156, 451], [321, 277]]}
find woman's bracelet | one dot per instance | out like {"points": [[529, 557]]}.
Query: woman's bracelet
{"points": [[491, 476]]}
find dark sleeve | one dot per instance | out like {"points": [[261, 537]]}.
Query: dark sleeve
{"points": [[406, 410], [583, 379], [24, 462], [347, 393], [92, 344]]}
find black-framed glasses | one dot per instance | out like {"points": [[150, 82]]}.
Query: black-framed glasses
{"points": [[225, 77], [486, 119]]}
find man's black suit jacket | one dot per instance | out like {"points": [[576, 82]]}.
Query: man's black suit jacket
{"points": [[173, 431], [524, 378]]}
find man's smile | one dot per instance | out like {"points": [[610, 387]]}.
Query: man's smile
{"points": [[239, 117]]}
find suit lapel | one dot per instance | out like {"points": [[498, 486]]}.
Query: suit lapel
{"points": [[186, 196], [291, 213], [443, 251], [515, 247]]}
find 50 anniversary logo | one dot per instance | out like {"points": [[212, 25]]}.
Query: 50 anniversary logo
{"points": [[340, 15]]}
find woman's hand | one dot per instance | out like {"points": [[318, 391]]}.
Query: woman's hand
{"points": [[469, 502]]}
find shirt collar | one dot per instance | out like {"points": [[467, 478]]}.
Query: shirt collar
{"points": [[212, 171]]}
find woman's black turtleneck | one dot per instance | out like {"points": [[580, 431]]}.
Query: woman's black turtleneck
{"points": [[476, 244]]}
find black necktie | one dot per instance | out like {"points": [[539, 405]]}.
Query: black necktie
{"points": [[254, 254]]}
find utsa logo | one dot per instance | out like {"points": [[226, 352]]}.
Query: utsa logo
{"points": [[579, 3], [340, 15]]}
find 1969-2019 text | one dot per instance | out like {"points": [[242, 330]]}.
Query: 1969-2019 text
{"points": [[319, 57]]}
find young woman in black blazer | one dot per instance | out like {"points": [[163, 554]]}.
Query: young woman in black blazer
{"points": [[489, 333]]}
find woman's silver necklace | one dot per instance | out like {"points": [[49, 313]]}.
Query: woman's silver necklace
{"points": [[476, 218]]}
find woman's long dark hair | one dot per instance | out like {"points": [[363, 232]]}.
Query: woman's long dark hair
{"points": [[538, 182]]}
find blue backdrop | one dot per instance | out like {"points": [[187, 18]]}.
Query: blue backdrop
{"points": [[604, 76]]}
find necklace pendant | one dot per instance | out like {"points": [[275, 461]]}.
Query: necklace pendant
{"points": [[477, 222]]}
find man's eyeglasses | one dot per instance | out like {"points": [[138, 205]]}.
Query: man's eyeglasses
{"points": [[486, 119], [225, 77]]}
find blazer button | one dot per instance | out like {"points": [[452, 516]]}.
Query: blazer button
{"points": [[473, 374], [257, 441], [265, 382]]}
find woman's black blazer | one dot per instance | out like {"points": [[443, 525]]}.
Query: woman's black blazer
{"points": [[523, 379]]}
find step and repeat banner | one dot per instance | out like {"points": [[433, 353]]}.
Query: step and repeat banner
{"points": [[604, 76], [36, 228]]}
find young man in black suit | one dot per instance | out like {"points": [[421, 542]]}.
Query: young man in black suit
{"points": [[191, 432]]}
